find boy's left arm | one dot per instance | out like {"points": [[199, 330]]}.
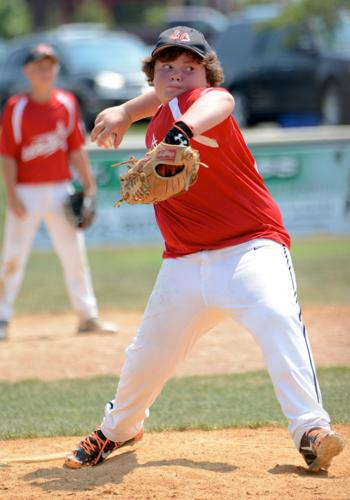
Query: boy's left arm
{"points": [[208, 110], [80, 160]]}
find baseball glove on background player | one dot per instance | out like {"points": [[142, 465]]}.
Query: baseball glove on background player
{"points": [[165, 171], [80, 209]]}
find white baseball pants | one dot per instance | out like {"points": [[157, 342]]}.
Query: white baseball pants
{"points": [[44, 202], [253, 283]]}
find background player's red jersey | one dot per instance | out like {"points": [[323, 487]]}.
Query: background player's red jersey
{"points": [[32, 132]]}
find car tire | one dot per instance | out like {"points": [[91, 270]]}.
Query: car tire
{"points": [[240, 112], [331, 106]]}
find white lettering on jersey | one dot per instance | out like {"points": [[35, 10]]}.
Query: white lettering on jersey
{"points": [[46, 144], [203, 139]]}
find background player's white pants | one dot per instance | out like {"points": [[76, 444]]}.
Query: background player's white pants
{"points": [[44, 202], [253, 283]]}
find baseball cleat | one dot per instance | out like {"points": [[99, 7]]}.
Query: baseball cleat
{"points": [[95, 448], [319, 446], [96, 325]]}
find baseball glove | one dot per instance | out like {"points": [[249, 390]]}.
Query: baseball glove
{"points": [[165, 171], [80, 209]]}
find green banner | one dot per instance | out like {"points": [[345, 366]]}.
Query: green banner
{"points": [[308, 174]]}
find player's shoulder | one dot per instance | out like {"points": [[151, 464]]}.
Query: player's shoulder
{"points": [[15, 99], [190, 96], [214, 89], [64, 96]]}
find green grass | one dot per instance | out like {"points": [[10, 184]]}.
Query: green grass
{"points": [[123, 277], [322, 266], [74, 407]]}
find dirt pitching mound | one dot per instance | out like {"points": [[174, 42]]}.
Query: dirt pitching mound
{"points": [[47, 347], [227, 464], [192, 465]]}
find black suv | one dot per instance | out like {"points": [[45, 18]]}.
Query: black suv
{"points": [[102, 68], [290, 74]]}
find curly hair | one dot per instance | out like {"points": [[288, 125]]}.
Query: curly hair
{"points": [[213, 69]]}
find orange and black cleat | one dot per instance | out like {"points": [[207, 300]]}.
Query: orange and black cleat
{"points": [[95, 448]]}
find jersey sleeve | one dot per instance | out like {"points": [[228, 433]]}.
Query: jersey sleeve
{"points": [[8, 145], [190, 97], [77, 136]]}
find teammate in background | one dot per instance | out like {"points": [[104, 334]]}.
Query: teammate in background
{"points": [[41, 135], [226, 253]]}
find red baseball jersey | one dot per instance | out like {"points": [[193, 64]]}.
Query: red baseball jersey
{"points": [[229, 204], [39, 136]]}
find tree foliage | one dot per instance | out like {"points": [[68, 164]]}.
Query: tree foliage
{"points": [[91, 12], [301, 10], [327, 10], [15, 18]]}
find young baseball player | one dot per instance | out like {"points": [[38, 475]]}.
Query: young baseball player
{"points": [[226, 253], [41, 135]]}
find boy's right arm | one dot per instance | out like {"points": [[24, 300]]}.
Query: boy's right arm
{"points": [[112, 123], [8, 159], [9, 167], [210, 109]]}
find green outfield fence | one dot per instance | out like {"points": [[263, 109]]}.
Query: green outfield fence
{"points": [[307, 171]]}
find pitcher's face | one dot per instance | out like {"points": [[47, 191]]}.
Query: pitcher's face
{"points": [[172, 78]]}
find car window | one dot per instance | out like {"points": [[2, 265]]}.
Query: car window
{"points": [[341, 36], [288, 39], [106, 54], [276, 43], [335, 39], [3, 51], [240, 44], [15, 59], [280, 41]]}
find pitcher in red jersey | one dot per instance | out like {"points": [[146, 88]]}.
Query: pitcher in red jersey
{"points": [[226, 253]]}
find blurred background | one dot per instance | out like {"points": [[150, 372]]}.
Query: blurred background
{"points": [[286, 62]]}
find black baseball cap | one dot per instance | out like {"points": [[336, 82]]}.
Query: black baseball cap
{"points": [[183, 36], [39, 52]]}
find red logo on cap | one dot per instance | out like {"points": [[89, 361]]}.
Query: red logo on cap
{"points": [[42, 47], [183, 36]]}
